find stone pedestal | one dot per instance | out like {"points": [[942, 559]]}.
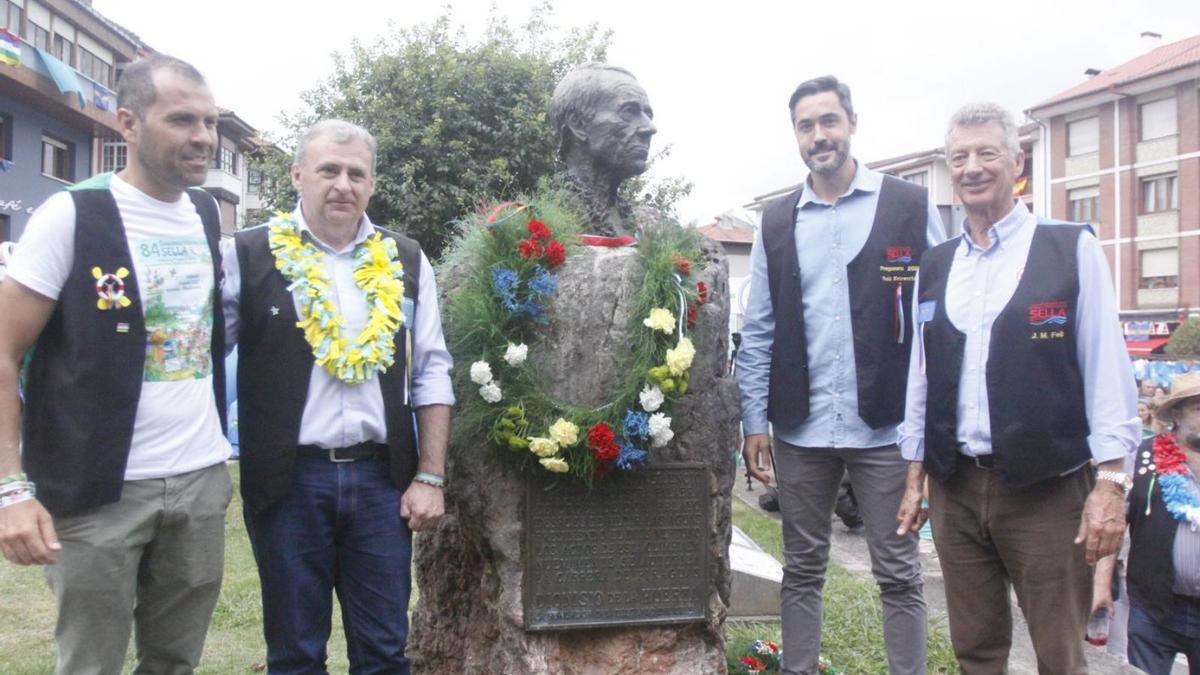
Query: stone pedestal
{"points": [[469, 617]]}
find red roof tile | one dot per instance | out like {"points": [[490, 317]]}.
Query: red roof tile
{"points": [[1160, 60], [736, 235]]}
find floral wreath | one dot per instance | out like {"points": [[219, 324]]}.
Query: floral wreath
{"points": [[1172, 474], [513, 255], [377, 272]]}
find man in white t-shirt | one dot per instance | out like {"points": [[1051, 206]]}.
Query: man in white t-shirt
{"points": [[115, 477]]}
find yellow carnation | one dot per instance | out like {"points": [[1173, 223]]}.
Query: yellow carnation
{"points": [[680, 358], [660, 319], [564, 433], [555, 465], [543, 447]]}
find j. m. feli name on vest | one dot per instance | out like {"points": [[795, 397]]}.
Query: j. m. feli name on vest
{"points": [[1048, 315], [900, 266]]}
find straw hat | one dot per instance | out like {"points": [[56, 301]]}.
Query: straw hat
{"points": [[1183, 387]]}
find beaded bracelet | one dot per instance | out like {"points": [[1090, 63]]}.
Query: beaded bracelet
{"points": [[14, 478], [430, 479]]}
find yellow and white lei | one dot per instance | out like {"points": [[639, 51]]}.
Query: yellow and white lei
{"points": [[377, 272]]}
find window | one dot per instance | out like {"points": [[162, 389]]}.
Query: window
{"points": [[38, 36], [225, 160], [1160, 268], [1085, 205], [254, 181], [5, 228], [58, 159], [92, 66], [114, 156], [64, 49], [1158, 119], [918, 178], [10, 16], [6, 125], [1083, 136], [1160, 193]]}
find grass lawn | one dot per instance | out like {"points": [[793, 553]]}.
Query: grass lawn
{"points": [[853, 633]]}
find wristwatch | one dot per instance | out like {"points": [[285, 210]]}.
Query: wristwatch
{"points": [[1119, 477]]}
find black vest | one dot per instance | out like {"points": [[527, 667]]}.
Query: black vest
{"points": [[1151, 574], [1035, 389], [85, 375], [887, 261], [275, 365]]}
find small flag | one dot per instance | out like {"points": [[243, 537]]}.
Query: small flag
{"points": [[10, 48], [5, 165], [102, 97], [122, 327], [1019, 186]]}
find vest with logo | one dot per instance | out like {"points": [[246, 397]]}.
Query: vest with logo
{"points": [[880, 282], [275, 365], [1034, 386], [85, 374]]}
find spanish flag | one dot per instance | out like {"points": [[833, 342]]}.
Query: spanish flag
{"points": [[10, 48], [1019, 186]]}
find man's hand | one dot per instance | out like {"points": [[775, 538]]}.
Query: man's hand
{"points": [[27, 534], [422, 506], [756, 450], [1102, 584], [1103, 522], [911, 515]]}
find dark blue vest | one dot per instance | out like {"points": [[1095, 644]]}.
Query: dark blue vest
{"points": [[1035, 389], [275, 365], [85, 374], [887, 262]]}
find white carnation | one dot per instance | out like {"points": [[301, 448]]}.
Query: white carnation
{"points": [[481, 372], [651, 398], [660, 430], [491, 392], [515, 355]]}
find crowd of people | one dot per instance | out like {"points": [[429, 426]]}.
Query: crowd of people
{"points": [[986, 372]]}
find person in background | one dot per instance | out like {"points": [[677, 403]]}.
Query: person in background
{"points": [[1146, 416]]}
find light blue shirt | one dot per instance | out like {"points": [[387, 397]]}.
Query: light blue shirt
{"points": [[981, 282], [828, 237], [337, 414]]}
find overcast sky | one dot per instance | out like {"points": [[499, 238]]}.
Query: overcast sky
{"points": [[718, 73]]}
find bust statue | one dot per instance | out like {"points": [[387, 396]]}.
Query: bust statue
{"points": [[603, 122]]}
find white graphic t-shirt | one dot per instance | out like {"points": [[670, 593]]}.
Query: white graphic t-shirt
{"points": [[176, 429]]}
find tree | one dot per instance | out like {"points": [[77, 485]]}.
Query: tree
{"points": [[1185, 341], [458, 120]]}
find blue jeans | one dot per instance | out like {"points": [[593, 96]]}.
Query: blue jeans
{"points": [[338, 528], [1153, 646]]}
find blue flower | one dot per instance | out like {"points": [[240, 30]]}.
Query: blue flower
{"points": [[631, 455], [505, 282], [543, 282], [637, 425]]}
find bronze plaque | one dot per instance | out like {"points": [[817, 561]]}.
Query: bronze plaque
{"points": [[633, 550]]}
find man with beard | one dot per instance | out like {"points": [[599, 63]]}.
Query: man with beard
{"points": [[1019, 382], [604, 123], [824, 353], [1164, 528], [119, 486]]}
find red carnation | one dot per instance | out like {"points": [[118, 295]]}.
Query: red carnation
{"points": [[599, 436], [701, 292], [753, 665], [530, 249], [539, 230], [681, 264], [606, 453], [691, 315], [556, 253]]}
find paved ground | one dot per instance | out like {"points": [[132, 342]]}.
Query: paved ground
{"points": [[850, 551]]}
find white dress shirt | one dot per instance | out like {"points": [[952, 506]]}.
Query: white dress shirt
{"points": [[981, 282], [337, 414]]}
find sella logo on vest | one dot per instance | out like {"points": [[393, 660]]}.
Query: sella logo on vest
{"points": [[899, 254], [1044, 313]]}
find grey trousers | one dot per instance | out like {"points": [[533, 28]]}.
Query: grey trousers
{"points": [[808, 483], [152, 560]]}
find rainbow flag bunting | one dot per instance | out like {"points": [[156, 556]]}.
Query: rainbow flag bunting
{"points": [[10, 48]]}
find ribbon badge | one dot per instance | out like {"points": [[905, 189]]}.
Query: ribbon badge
{"points": [[111, 288]]}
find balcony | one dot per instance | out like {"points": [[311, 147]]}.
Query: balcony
{"points": [[48, 84]]}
